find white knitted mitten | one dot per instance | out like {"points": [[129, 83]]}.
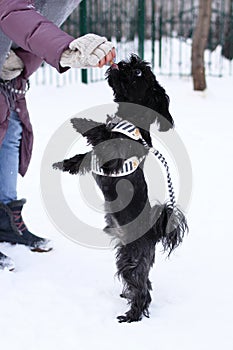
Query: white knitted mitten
{"points": [[86, 51], [12, 67]]}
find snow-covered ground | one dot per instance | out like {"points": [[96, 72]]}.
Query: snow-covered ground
{"points": [[69, 298]]}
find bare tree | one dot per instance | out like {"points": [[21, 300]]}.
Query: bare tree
{"points": [[227, 49], [200, 37]]}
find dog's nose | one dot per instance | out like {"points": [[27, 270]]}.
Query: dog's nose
{"points": [[114, 66]]}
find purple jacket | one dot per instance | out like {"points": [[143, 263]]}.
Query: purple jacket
{"points": [[38, 39]]}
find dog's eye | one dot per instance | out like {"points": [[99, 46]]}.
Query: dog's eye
{"points": [[138, 72]]}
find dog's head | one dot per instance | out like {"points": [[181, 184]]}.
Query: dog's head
{"points": [[133, 81]]}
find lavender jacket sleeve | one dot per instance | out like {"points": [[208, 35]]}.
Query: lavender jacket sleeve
{"points": [[32, 32]]}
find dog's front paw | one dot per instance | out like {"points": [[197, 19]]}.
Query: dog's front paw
{"points": [[83, 125]]}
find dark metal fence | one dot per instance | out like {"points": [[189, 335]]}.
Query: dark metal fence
{"points": [[159, 31]]}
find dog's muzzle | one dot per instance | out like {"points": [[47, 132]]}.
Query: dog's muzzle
{"points": [[114, 66]]}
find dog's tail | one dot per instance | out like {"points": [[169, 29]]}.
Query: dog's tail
{"points": [[79, 164], [169, 224]]}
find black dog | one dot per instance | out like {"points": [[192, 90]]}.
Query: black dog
{"points": [[130, 219]]}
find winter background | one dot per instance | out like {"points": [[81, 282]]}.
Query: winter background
{"points": [[69, 298]]}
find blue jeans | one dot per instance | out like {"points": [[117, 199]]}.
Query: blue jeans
{"points": [[9, 159]]}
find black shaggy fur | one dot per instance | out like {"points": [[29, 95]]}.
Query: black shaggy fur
{"points": [[137, 227]]}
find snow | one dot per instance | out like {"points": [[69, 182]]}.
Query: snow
{"points": [[69, 298]]}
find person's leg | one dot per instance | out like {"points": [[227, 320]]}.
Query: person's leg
{"points": [[9, 164], [9, 159], [12, 227]]}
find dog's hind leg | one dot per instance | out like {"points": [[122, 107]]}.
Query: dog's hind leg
{"points": [[133, 263]]}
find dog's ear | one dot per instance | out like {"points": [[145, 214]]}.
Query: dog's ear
{"points": [[159, 101], [165, 119]]}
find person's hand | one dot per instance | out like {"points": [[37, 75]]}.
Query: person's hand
{"points": [[108, 59], [90, 50], [12, 67]]}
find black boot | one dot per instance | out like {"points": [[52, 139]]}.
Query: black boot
{"points": [[6, 263], [13, 229]]}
